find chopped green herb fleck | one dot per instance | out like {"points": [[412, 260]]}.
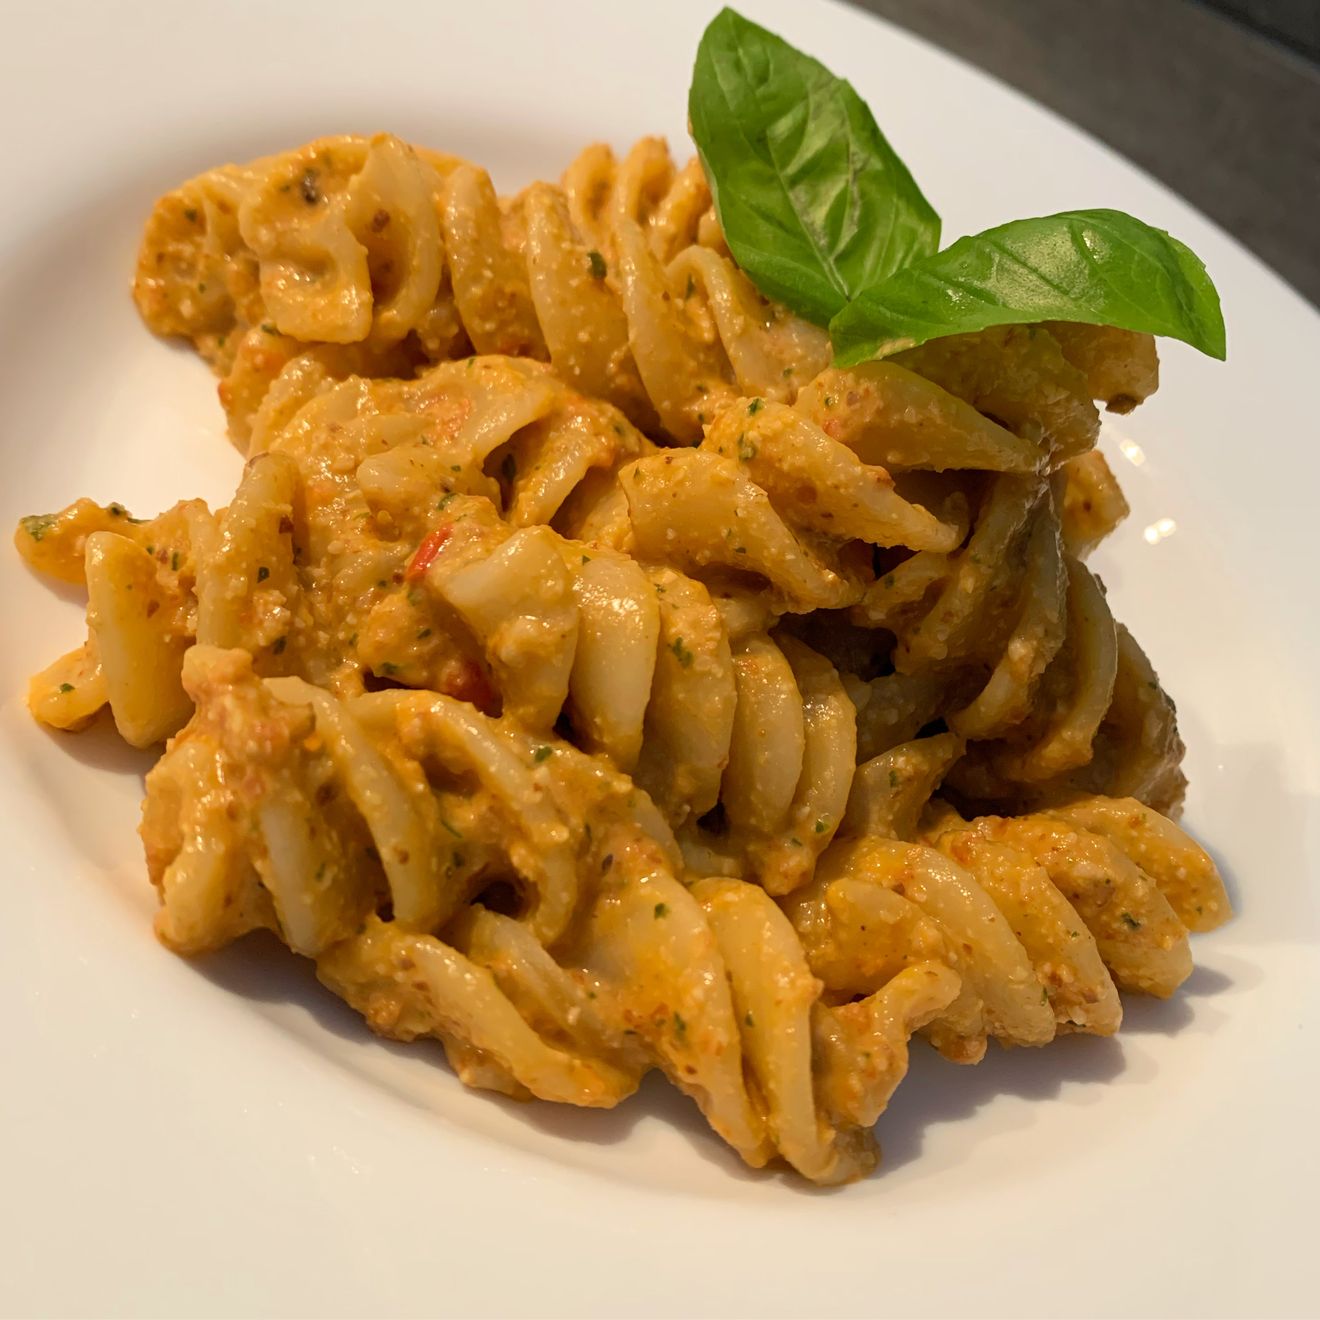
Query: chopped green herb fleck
{"points": [[262, 573], [746, 449], [389, 668], [542, 753], [444, 501], [661, 910], [1044, 995], [685, 656], [190, 214], [268, 329], [66, 687], [311, 194], [822, 824], [690, 288], [458, 834], [680, 1027], [597, 264], [423, 634], [748, 1019], [893, 779], [36, 525], [279, 645], [755, 407], [174, 561], [1131, 922], [795, 841], [829, 401]]}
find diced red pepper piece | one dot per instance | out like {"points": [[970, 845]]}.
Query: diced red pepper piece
{"points": [[467, 681], [432, 544]]}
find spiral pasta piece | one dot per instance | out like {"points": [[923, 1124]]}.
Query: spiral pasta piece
{"points": [[1043, 919], [1010, 639], [138, 574]]}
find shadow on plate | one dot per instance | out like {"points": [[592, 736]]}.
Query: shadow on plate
{"points": [[99, 747], [936, 1091]]}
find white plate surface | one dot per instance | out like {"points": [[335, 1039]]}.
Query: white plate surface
{"points": [[224, 1138]]}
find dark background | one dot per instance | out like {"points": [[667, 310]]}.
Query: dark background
{"points": [[1219, 99]]}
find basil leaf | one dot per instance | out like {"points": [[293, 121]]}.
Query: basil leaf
{"points": [[1100, 267], [813, 201]]}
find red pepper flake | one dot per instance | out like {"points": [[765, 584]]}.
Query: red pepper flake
{"points": [[432, 544]]}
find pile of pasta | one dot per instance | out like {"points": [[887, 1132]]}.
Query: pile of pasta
{"points": [[588, 675]]}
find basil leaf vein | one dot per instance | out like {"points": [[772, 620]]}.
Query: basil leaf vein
{"points": [[1101, 267], [814, 203]]}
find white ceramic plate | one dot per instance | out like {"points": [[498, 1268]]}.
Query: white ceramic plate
{"points": [[224, 1138]]}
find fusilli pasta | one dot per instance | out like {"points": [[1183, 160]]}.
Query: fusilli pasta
{"points": [[589, 675]]}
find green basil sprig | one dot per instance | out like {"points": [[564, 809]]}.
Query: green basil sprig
{"points": [[814, 203], [1101, 267], [824, 217]]}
